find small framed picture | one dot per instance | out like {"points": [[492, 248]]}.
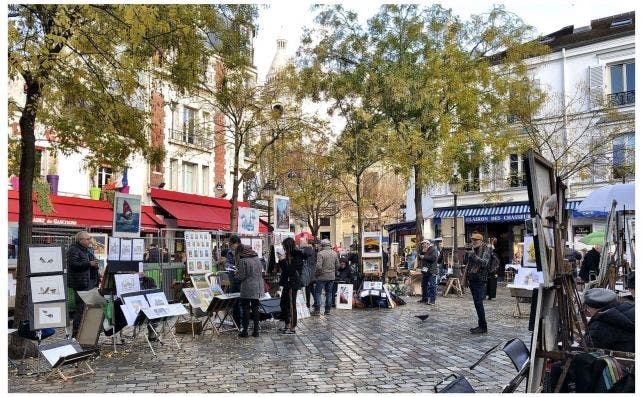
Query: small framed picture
{"points": [[46, 259], [49, 315], [47, 288]]}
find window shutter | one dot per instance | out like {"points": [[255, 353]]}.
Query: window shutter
{"points": [[596, 86]]}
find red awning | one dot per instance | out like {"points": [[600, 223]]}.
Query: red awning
{"points": [[75, 211], [199, 212]]}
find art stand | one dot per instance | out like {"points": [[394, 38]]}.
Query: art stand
{"points": [[221, 303], [142, 322], [109, 283], [68, 359]]}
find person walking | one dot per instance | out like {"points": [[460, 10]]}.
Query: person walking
{"points": [[235, 285], [291, 266], [327, 264], [82, 273], [251, 289], [428, 264], [477, 261], [311, 258], [494, 265]]}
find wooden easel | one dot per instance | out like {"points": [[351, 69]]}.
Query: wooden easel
{"points": [[453, 283]]}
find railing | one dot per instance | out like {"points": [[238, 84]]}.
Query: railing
{"points": [[621, 98], [192, 137]]}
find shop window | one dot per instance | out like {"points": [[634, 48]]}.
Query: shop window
{"points": [[623, 156], [471, 181]]}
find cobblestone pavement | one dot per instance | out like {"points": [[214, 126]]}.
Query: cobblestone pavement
{"points": [[373, 350]]}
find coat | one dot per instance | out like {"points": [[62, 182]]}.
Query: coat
{"points": [[591, 263], [477, 262], [613, 328], [429, 260], [327, 264], [249, 274], [290, 269], [81, 276]]}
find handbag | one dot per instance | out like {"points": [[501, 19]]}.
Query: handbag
{"points": [[458, 385]]}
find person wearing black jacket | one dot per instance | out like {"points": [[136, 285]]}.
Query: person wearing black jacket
{"points": [[291, 266], [311, 257], [591, 263], [611, 325], [477, 267], [82, 273], [428, 263]]}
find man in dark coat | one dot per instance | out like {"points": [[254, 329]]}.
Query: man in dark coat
{"points": [[477, 261], [82, 273], [428, 264], [311, 257], [611, 325], [591, 263]]}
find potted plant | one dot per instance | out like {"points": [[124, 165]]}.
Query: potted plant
{"points": [[52, 173], [94, 191]]}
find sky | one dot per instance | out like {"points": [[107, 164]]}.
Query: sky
{"points": [[287, 18]]}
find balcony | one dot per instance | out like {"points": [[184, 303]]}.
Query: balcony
{"points": [[195, 138], [621, 98]]}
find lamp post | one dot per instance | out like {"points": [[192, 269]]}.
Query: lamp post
{"points": [[353, 230], [454, 186], [268, 191]]}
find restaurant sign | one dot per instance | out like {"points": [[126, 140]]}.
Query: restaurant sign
{"points": [[54, 221]]}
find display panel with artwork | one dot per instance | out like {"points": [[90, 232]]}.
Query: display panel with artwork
{"points": [[46, 259], [47, 288], [50, 315], [371, 244], [282, 213], [127, 215], [344, 298], [248, 221]]}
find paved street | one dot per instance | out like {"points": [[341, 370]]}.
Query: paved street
{"points": [[374, 350]]}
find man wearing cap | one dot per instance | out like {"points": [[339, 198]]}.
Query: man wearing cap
{"points": [[327, 264], [428, 264], [477, 261], [611, 325]]}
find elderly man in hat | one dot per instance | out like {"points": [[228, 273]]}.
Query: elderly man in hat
{"points": [[428, 264], [477, 260], [611, 325], [327, 264]]}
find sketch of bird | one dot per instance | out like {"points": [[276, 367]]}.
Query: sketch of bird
{"points": [[422, 317]]}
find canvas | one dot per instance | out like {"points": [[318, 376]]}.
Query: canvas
{"points": [[126, 283], [114, 250], [282, 213], [127, 215], [45, 259], [49, 315], [126, 250], [344, 298], [47, 288]]}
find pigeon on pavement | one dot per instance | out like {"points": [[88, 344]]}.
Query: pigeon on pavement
{"points": [[422, 317]]}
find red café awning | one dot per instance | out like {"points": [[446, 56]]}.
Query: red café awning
{"points": [[195, 211], [75, 211]]}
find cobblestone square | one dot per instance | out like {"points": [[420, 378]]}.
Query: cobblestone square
{"points": [[371, 350]]}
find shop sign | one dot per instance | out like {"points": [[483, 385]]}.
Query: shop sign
{"points": [[582, 230], [55, 221], [496, 218]]}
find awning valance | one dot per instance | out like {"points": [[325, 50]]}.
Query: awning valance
{"points": [[489, 214]]}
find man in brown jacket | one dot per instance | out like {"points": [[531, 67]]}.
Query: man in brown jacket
{"points": [[327, 264]]}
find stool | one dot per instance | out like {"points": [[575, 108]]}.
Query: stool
{"points": [[453, 282]]}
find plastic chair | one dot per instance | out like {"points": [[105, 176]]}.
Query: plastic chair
{"points": [[517, 352]]}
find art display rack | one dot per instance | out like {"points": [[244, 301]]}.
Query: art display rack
{"points": [[109, 283], [221, 303]]}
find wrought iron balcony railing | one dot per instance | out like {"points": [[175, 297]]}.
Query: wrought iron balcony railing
{"points": [[195, 137], [622, 98]]}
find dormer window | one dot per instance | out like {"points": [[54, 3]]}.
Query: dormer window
{"points": [[620, 22]]}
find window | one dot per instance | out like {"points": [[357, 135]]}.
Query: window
{"points": [[622, 84], [324, 235], [623, 156], [188, 174], [471, 181], [517, 167], [325, 221], [189, 124], [174, 175], [104, 175], [205, 178]]}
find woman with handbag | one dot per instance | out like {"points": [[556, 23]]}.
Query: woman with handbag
{"points": [[291, 266]]}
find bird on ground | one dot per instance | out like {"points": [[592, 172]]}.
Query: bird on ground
{"points": [[422, 317]]}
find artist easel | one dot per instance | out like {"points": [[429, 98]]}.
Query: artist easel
{"points": [[109, 284], [453, 283], [69, 366], [221, 303], [142, 323]]}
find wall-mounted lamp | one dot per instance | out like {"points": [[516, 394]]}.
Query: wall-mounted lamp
{"points": [[219, 186]]}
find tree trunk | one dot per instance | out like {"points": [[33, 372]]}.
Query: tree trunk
{"points": [[358, 196], [419, 216], [25, 218]]}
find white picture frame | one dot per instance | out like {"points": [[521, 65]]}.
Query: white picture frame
{"points": [[114, 249], [126, 220], [371, 244], [50, 315], [136, 303], [47, 288], [344, 298], [138, 249], [126, 283], [126, 250], [248, 221], [46, 259], [281, 209], [156, 299]]}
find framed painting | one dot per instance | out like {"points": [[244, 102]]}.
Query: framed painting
{"points": [[47, 288], [91, 326], [99, 244], [156, 299], [248, 222], [371, 244], [138, 249], [282, 213], [344, 298], [136, 302], [372, 265], [114, 249], [126, 250], [127, 215], [199, 281], [49, 315], [46, 259], [126, 283]]}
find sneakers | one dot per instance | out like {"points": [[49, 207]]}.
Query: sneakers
{"points": [[243, 334], [289, 332], [430, 303], [315, 313], [326, 312], [478, 330]]}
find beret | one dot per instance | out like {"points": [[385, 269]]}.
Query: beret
{"points": [[598, 298]]}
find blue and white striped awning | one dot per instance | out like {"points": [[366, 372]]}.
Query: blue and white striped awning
{"points": [[571, 205], [496, 213]]}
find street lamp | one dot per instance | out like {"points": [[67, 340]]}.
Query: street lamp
{"points": [[454, 186], [268, 191]]}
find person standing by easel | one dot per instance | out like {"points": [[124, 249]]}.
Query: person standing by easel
{"points": [[477, 260]]}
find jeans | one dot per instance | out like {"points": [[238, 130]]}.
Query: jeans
{"points": [[478, 292], [310, 290], [246, 304], [428, 287], [327, 286]]}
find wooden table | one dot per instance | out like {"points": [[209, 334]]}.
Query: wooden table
{"points": [[522, 295]]}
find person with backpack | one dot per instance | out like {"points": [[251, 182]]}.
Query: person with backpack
{"points": [[327, 264], [492, 278], [477, 259], [291, 266]]}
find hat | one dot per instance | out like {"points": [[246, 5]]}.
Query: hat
{"points": [[477, 235], [598, 298], [325, 242], [425, 241]]}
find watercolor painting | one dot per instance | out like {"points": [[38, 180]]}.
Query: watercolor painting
{"points": [[47, 288]]}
